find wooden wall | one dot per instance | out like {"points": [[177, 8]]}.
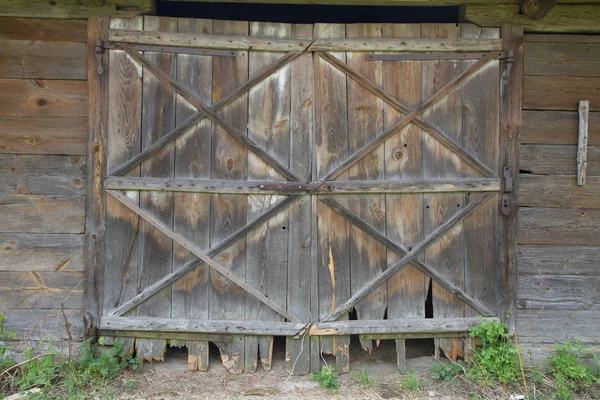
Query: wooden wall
{"points": [[43, 122], [559, 222]]}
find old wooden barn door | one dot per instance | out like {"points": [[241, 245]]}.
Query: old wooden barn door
{"points": [[267, 179]]}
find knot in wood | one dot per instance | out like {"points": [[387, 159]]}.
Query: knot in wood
{"points": [[398, 154]]}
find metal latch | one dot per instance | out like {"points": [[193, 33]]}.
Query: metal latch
{"points": [[508, 187], [101, 45], [293, 186]]}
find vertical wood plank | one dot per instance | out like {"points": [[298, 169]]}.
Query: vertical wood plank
{"points": [[298, 353], [267, 246], [228, 212], [447, 253], [584, 109], [331, 124], [122, 262], [511, 91], [365, 122], [158, 118], [192, 210], [97, 28], [480, 102], [404, 160]]}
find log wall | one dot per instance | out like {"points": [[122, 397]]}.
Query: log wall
{"points": [[558, 289], [43, 123]]}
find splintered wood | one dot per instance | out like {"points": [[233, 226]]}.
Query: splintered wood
{"points": [[297, 188]]}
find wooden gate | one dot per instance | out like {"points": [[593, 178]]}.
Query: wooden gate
{"points": [[267, 179]]}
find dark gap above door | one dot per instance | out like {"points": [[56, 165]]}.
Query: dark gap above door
{"points": [[306, 13]]}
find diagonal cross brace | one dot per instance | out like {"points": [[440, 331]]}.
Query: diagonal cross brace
{"points": [[408, 118], [401, 251], [391, 100], [203, 256], [209, 112], [407, 258]]}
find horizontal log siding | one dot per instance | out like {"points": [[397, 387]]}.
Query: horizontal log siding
{"points": [[559, 246], [43, 123]]}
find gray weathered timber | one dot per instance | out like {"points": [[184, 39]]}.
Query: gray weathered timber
{"points": [[43, 135], [557, 127], [404, 44], [41, 290], [562, 59], [41, 214], [408, 257], [582, 142], [42, 175], [96, 170], [556, 160], [217, 105], [558, 191], [44, 29], [560, 325], [43, 98], [41, 252], [447, 254], [576, 292], [402, 80], [559, 226], [559, 260], [510, 127], [365, 122], [229, 160], [207, 41], [171, 337], [191, 211], [190, 265], [560, 92], [54, 325], [331, 138], [391, 100]]}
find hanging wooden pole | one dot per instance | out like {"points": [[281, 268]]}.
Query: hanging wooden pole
{"points": [[584, 108]]}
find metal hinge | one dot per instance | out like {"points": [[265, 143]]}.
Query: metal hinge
{"points": [[101, 45], [508, 187]]}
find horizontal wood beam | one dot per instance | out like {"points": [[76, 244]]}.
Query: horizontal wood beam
{"points": [[75, 8], [187, 336], [407, 45], [341, 187], [196, 40], [562, 18], [414, 326]]}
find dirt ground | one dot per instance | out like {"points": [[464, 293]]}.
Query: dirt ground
{"points": [[171, 379]]}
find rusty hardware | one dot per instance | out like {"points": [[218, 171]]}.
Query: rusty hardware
{"points": [[101, 45], [508, 187], [294, 186], [508, 55]]}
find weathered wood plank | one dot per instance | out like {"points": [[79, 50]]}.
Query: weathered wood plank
{"points": [[331, 132], [558, 191], [26, 59], [555, 226], [41, 290], [217, 41], [228, 212], [407, 44], [41, 214], [571, 292], [559, 260], [267, 247], [582, 142], [557, 127], [43, 98], [559, 325], [560, 92], [446, 255], [41, 252], [365, 122], [76, 8], [46, 30], [42, 175], [47, 325], [43, 135], [172, 338], [556, 160], [557, 38], [562, 59]]}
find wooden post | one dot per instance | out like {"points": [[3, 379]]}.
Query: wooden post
{"points": [[510, 129], [96, 170], [584, 108]]}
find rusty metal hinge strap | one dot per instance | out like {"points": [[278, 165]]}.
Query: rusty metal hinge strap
{"points": [[507, 190], [101, 45], [508, 55]]}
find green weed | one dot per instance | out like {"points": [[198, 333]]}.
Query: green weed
{"points": [[326, 378], [447, 371], [363, 378], [410, 381], [569, 373]]}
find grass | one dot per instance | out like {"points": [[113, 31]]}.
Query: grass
{"points": [[363, 378], [410, 382]]}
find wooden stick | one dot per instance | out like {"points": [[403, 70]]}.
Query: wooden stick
{"points": [[408, 257], [401, 251], [201, 255], [178, 131], [350, 161], [584, 108], [184, 269], [391, 100], [210, 113]]}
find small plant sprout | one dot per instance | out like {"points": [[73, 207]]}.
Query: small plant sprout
{"points": [[410, 381], [326, 378], [363, 378], [447, 371]]}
